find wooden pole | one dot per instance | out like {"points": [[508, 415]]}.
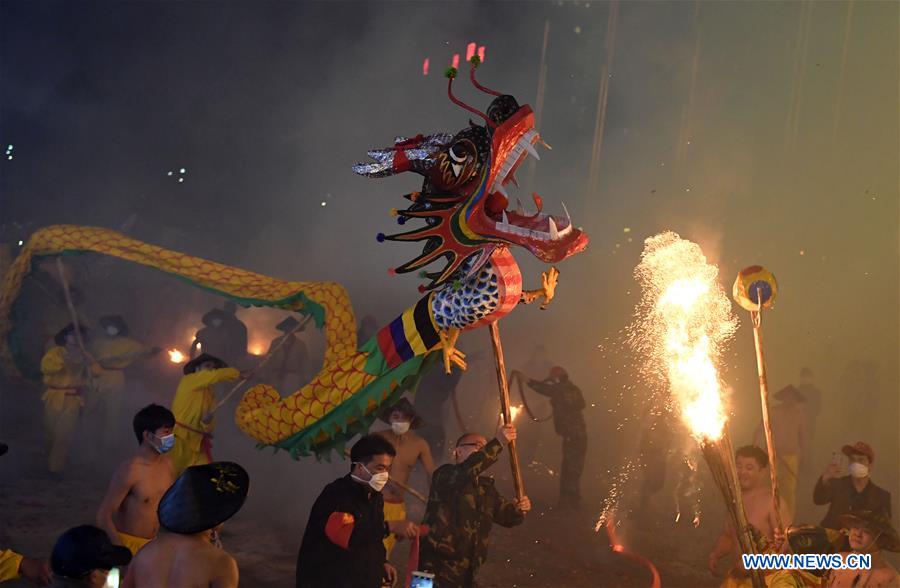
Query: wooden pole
{"points": [[88, 360], [767, 423], [504, 406], [269, 354]]}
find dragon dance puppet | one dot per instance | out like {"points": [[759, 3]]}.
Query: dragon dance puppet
{"points": [[467, 223]]}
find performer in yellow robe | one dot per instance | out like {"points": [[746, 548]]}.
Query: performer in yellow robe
{"points": [[65, 377], [194, 399], [9, 565], [114, 351]]}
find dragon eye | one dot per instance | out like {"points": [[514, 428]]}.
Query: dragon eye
{"points": [[458, 153]]}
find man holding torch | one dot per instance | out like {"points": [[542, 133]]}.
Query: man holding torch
{"points": [[463, 506], [752, 469]]}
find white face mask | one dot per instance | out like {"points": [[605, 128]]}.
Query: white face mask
{"points": [[399, 427], [377, 481], [112, 331], [859, 470]]}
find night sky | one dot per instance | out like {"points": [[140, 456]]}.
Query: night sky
{"points": [[780, 148]]}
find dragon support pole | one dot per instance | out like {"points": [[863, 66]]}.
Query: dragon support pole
{"points": [[504, 405]]}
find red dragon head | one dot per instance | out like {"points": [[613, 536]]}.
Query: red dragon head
{"points": [[464, 200]]}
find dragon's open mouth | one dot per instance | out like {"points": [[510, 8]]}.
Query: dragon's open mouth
{"points": [[549, 237]]}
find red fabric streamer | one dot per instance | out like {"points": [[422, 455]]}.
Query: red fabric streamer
{"points": [[412, 563]]}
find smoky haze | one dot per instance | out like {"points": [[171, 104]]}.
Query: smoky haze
{"points": [[765, 132]]}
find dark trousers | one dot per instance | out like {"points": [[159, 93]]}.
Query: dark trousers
{"points": [[574, 450]]}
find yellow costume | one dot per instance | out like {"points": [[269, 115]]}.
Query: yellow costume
{"points": [[787, 480], [134, 544], [63, 401], [733, 580], [193, 399], [9, 565], [115, 354], [393, 511], [793, 579]]}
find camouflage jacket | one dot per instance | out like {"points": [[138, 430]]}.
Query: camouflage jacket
{"points": [[567, 402], [462, 508]]}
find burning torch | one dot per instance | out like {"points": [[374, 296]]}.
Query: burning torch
{"points": [[683, 321]]}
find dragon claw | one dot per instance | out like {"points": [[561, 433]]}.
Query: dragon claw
{"points": [[452, 355], [549, 280]]}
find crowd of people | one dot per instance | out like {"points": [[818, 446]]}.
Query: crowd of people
{"points": [[160, 518], [858, 519], [143, 522]]}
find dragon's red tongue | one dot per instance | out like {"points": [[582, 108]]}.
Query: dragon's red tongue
{"points": [[538, 201], [496, 204]]}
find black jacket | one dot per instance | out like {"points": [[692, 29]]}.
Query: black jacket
{"points": [[324, 564], [568, 405], [843, 499]]}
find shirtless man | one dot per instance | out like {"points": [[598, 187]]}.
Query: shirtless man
{"points": [[870, 533], [128, 511], [789, 430], [411, 449], [183, 555], [752, 463]]}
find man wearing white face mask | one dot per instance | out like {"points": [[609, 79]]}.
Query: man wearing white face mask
{"points": [[128, 511], [411, 449], [343, 542], [849, 494]]}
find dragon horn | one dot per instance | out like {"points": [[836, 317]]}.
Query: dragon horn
{"points": [[451, 74], [476, 61]]}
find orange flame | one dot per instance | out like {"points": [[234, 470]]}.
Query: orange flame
{"points": [[513, 413], [256, 349], [176, 356], [683, 321]]}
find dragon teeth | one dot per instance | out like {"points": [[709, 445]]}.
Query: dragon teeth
{"points": [[554, 233], [531, 151]]}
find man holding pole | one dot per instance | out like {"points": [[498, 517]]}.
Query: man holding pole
{"points": [[193, 409], [751, 463], [568, 420], [411, 449], [66, 370], [462, 507]]}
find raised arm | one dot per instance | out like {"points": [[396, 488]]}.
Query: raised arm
{"points": [[543, 388], [206, 378]]}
